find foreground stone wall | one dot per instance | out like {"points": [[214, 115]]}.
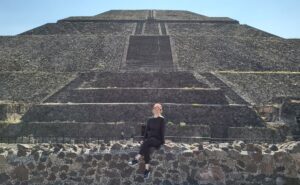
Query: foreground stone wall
{"points": [[174, 163]]}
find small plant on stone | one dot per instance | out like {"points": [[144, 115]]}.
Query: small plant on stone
{"points": [[13, 118], [182, 124], [99, 66], [196, 105], [170, 123]]}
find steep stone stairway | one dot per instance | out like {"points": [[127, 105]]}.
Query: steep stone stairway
{"points": [[149, 53], [149, 48]]}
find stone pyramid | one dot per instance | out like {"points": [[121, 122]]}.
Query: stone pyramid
{"points": [[98, 76]]}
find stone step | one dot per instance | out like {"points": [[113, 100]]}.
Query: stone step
{"points": [[216, 82], [140, 68], [139, 28], [151, 28], [148, 79], [139, 63], [149, 48], [147, 64], [107, 130], [163, 28], [151, 51], [163, 95], [148, 67], [217, 116]]}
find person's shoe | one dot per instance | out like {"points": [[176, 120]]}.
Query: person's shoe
{"points": [[146, 174], [133, 162]]}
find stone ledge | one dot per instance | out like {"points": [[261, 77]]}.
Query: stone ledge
{"points": [[174, 163]]}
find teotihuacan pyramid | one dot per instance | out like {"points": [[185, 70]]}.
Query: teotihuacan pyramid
{"points": [[84, 76]]}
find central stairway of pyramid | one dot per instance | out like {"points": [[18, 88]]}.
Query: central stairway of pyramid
{"points": [[149, 53]]}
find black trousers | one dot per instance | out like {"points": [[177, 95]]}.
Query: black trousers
{"points": [[145, 148]]}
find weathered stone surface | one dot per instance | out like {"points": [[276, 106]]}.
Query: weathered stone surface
{"points": [[273, 147], [264, 87], [111, 173], [116, 146], [41, 166], [63, 176], [71, 155], [3, 178], [51, 177], [245, 50], [20, 173], [97, 156], [26, 84], [88, 180], [61, 155], [79, 159], [22, 149], [107, 157]]}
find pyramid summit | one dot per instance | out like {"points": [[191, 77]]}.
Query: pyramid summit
{"points": [[79, 75], [158, 15]]}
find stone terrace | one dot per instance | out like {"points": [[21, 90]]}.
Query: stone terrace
{"points": [[99, 28], [61, 53], [265, 86], [31, 87], [215, 29], [216, 53]]}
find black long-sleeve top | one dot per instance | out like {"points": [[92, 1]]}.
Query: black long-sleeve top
{"points": [[155, 127]]}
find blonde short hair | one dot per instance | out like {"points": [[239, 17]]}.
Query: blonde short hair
{"points": [[158, 105]]}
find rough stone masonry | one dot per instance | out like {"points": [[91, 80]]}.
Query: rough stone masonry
{"points": [[175, 163]]}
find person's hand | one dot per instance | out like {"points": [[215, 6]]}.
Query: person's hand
{"points": [[167, 142]]}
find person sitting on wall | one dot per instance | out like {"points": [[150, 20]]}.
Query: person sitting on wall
{"points": [[154, 136]]}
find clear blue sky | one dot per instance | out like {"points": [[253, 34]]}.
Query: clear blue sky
{"points": [[280, 17]]}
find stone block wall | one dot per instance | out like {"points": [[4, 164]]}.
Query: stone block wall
{"points": [[61, 53], [255, 133], [265, 87], [31, 87], [99, 28], [218, 53], [174, 163], [2, 111]]}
